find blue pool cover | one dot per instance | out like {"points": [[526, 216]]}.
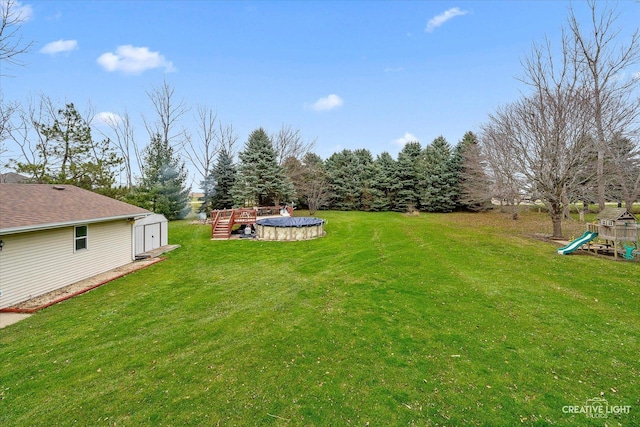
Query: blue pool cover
{"points": [[290, 221]]}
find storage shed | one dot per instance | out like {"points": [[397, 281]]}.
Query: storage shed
{"points": [[151, 232]]}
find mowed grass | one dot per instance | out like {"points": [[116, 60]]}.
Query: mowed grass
{"points": [[453, 319]]}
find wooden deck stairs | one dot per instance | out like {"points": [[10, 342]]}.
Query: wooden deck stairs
{"points": [[222, 229], [222, 221]]}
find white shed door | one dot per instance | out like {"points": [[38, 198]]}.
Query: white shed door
{"points": [[151, 236]]}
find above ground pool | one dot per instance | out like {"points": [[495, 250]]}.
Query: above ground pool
{"points": [[289, 228]]}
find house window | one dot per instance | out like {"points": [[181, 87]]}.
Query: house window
{"points": [[81, 237]]}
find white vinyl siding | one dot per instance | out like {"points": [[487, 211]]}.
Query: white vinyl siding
{"points": [[35, 263]]}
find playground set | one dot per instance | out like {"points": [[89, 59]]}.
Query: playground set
{"points": [[615, 232]]}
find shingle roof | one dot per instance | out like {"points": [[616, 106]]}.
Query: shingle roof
{"points": [[26, 207], [615, 213]]}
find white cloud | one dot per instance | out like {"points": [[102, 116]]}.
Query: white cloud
{"points": [[439, 20], [327, 103], [134, 60], [107, 118], [20, 12], [407, 138], [59, 46]]}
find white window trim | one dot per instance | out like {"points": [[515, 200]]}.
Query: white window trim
{"points": [[76, 238]]}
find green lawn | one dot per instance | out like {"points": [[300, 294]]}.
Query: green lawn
{"points": [[456, 319]]}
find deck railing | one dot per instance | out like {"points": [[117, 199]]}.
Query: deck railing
{"points": [[616, 233], [215, 217], [245, 215]]}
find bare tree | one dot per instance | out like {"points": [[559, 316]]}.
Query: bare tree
{"points": [[226, 139], [602, 61], [288, 142], [12, 45], [547, 132], [546, 138], [124, 140], [291, 152], [33, 144], [7, 110], [201, 154], [169, 112], [310, 180], [508, 185]]}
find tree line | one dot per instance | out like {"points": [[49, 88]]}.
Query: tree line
{"points": [[573, 137], [58, 145], [435, 178]]}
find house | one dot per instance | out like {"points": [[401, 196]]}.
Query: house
{"points": [[54, 235]]}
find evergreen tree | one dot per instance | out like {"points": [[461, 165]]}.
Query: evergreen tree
{"points": [[363, 179], [219, 184], [407, 177], [586, 189], [623, 165], [162, 188], [384, 182], [260, 180], [439, 180], [342, 170], [473, 182], [67, 154]]}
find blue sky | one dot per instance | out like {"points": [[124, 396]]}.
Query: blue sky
{"points": [[349, 74]]}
